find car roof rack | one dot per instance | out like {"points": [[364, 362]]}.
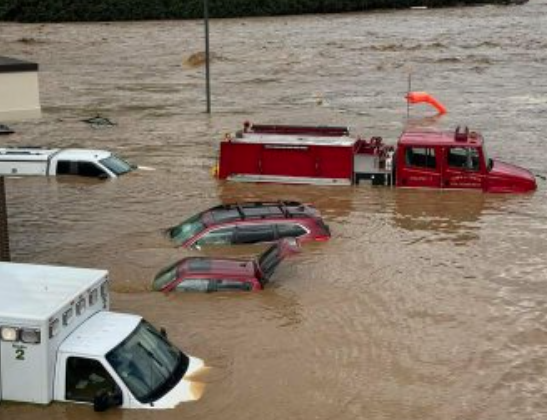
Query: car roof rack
{"points": [[283, 207], [240, 210]]}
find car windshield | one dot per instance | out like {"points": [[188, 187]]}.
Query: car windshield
{"points": [[187, 229], [165, 276], [489, 162], [148, 364], [117, 165]]}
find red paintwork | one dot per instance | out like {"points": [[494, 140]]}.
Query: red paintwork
{"points": [[311, 221], [501, 178], [327, 158], [506, 178], [237, 270], [240, 270], [315, 232], [318, 161]]}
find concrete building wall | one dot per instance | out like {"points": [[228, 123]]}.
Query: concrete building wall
{"points": [[19, 91]]}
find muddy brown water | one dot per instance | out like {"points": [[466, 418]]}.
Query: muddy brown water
{"points": [[424, 305]]}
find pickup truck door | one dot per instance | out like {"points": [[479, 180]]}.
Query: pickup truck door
{"points": [[463, 168], [419, 167]]}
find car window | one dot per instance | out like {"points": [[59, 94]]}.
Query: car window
{"points": [[420, 157], [187, 229], [79, 168], [194, 285], [212, 285], [222, 215], [165, 276], [290, 230], [464, 158], [222, 236], [85, 378], [255, 233]]}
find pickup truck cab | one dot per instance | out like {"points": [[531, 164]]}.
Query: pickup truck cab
{"points": [[58, 341], [20, 161]]}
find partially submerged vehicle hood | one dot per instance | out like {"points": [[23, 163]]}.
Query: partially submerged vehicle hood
{"points": [[186, 390], [506, 177]]}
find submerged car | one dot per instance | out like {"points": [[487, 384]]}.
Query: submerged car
{"points": [[249, 223], [209, 274]]}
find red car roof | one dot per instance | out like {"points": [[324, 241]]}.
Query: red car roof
{"points": [[216, 267]]}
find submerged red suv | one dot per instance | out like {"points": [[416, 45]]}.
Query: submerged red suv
{"points": [[249, 223], [209, 274]]}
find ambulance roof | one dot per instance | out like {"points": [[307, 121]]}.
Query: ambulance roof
{"points": [[36, 292], [100, 334]]}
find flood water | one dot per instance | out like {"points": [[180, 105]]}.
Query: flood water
{"points": [[424, 305]]}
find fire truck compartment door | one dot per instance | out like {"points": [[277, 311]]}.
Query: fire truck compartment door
{"points": [[288, 161]]}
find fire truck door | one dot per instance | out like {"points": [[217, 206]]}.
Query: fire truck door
{"points": [[462, 168], [420, 168]]}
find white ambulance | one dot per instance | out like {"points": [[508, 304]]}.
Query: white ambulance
{"points": [[58, 341]]}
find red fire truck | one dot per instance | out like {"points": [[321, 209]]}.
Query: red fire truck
{"points": [[331, 156]]}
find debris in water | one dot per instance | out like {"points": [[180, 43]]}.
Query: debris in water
{"points": [[29, 40], [196, 59], [4, 129], [99, 122]]}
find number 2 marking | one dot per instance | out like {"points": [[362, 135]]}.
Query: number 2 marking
{"points": [[20, 354]]}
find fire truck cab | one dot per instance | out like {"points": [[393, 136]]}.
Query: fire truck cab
{"points": [[331, 156], [454, 160]]}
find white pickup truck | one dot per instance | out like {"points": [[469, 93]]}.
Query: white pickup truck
{"points": [[18, 161], [58, 341]]}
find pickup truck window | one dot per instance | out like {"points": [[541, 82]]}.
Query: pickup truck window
{"points": [[85, 378], [420, 157], [65, 167], [464, 158]]}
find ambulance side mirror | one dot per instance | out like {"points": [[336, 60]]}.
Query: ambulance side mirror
{"points": [[105, 399]]}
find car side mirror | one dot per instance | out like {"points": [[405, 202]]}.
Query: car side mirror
{"points": [[105, 399], [103, 176], [163, 332]]}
